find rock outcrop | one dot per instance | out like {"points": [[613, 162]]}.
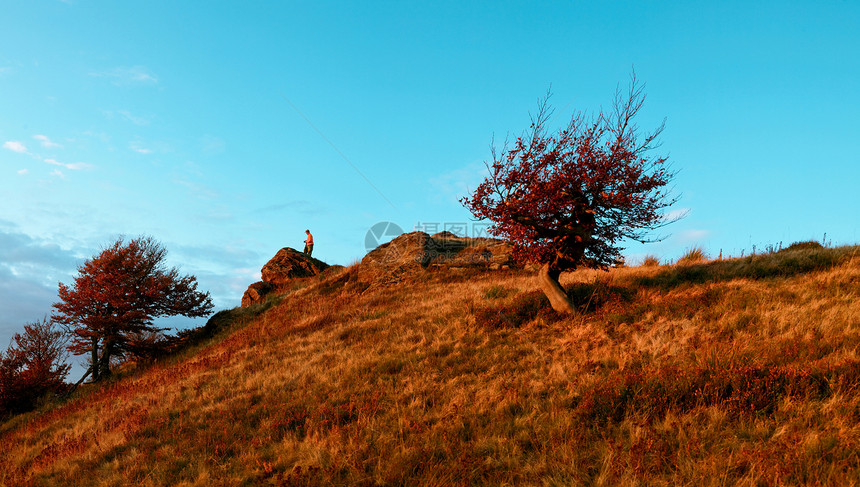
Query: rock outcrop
{"points": [[392, 262], [289, 264], [415, 251], [256, 293], [286, 265]]}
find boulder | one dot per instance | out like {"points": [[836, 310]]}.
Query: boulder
{"points": [[256, 293], [454, 251], [289, 264], [286, 265], [390, 261], [416, 251]]}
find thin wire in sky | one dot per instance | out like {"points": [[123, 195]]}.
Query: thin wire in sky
{"points": [[353, 166]]}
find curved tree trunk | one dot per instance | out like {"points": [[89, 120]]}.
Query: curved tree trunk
{"points": [[550, 286], [95, 359], [104, 362]]}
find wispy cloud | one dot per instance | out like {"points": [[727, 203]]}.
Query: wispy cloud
{"points": [[240, 279], [15, 146], [22, 172], [199, 190], [30, 268], [133, 118], [142, 146], [693, 235], [139, 148], [45, 141], [126, 115], [210, 144], [453, 184], [224, 270], [75, 166], [134, 75], [101, 136], [304, 207]]}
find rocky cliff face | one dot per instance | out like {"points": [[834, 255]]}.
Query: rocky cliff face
{"points": [[286, 265]]}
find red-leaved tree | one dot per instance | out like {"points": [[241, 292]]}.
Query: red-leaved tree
{"points": [[568, 199], [32, 366], [116, 296]]}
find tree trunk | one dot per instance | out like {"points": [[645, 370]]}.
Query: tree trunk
{"points": [[78, 383], [104, 363], [95, 359], [550, 286]]}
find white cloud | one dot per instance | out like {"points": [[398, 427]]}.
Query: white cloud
{"points": [[75, 166], [133, 118], [45, 141], [58, 173], [242, 277], [15, 146], [22, 171], [127, 115], [693, 236], [211, 144], [135, 146], [134, 75]]}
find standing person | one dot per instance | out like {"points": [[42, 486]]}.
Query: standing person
{"points": [[309, 243]]}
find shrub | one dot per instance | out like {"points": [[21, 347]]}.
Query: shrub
{"points": [[33, 366], [810, 245]]}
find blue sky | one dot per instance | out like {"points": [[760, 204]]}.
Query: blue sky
{"points": [[224, 129]]}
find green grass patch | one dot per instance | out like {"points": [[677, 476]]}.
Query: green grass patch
{"points": [[780, 264]]}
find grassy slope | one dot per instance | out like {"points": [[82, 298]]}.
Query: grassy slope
{"points": [[742, 371]]}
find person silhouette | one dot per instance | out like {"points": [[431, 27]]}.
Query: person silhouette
{"points": [[309, 244]]}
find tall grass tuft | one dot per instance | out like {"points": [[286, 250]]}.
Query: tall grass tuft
{"points": [[694, 255], [650, 261]]}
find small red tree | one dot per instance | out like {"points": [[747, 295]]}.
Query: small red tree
{"points": [[33, 366], [117, 294], [568, 199]]}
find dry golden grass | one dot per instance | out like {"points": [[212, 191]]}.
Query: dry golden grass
{"points": [[731, 372]]}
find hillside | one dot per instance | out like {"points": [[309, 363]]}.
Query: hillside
{"points": [[711, 373]]}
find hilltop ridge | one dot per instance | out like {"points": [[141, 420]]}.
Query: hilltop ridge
{"points": [[389, 263], [708, 373]]}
